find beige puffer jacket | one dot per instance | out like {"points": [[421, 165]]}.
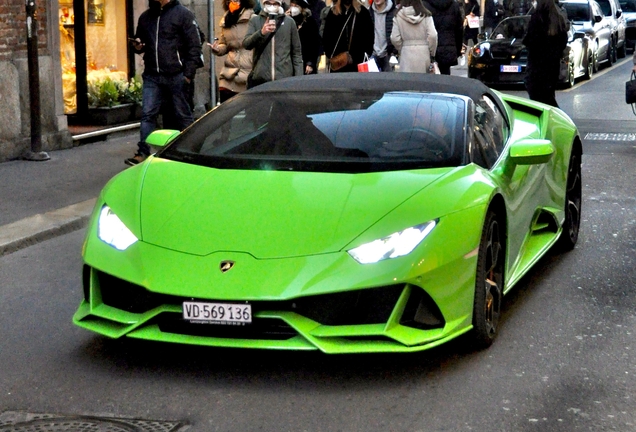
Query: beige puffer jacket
{"points": [[415, 38], [238, 62]]}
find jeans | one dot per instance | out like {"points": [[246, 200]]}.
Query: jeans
{"points": [[155, 89]]}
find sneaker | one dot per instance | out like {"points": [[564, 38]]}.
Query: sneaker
{"points": [[136, 159]]}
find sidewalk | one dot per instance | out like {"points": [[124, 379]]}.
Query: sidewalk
{"points": [[40, 200]]}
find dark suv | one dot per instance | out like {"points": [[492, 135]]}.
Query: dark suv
{"points": [[629, 12]]}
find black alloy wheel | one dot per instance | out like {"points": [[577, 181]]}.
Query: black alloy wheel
{"points": [[489, 282], [570, 233], [622, 51], [611, 54]]}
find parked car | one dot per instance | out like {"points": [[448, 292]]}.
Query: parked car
{"points": [[502, 57], [586, 16], [613, 12], [629, 12], [347, 213]]}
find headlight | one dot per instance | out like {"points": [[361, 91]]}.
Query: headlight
{"points": [[111, 230], [396, 245], [480, 50]]}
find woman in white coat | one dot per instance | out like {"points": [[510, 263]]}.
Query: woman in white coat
{"points": [[414, 36]]}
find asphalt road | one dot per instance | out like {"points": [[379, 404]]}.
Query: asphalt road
{"points": [[564, 360]]}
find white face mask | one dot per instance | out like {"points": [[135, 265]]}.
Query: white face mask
{"points": [[294, 10], [271, 9]]}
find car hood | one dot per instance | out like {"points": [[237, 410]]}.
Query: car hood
{"points": [[499, 47], [268, 214]]}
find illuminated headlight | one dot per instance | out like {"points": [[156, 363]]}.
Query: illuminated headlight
{"points": [[480, 50], [111, 230], [396, 245]]}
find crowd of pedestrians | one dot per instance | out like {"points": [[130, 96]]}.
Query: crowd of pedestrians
{"points": [[265, 40]]}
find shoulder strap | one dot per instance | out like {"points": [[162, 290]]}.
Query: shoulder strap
{"points": [[341, 31]]}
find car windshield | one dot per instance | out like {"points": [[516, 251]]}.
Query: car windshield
{"points": [[511, 28], [577, 12], [335, 131], [605, 7], [628, 6]]}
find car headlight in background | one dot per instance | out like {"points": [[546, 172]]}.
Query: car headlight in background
{"points": [[396, 245], [480, 50], [111, 230]]}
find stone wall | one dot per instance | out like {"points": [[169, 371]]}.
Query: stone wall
{"points": [[15, 115]]}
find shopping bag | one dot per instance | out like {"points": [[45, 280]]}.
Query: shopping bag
{"points": [[368, 65], [630, 89], [472, 21]]}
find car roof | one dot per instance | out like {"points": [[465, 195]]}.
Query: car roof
{"points": [[386, 82]]}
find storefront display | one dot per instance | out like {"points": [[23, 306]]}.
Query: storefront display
{"points": [[106, 49]]}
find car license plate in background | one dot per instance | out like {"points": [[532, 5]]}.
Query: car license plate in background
{"points": [[217, 313], [510, 68]]}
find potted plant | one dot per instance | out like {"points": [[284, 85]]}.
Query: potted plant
{"points": [[114, 101]]}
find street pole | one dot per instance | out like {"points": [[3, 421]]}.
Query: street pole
{"points": [[36, 153], [212, 56]]}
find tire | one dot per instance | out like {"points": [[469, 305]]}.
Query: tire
{"points": [[489, 282], [589, 67], [622, 51], [570, 82], [611, 54], [570, 234]]}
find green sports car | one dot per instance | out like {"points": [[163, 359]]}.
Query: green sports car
{"points": [[345, 213]]}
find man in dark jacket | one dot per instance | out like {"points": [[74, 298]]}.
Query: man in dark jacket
{"points": [[449, 23], [168, 38], [382, 12]]}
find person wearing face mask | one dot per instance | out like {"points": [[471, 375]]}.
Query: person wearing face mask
{"points": [[238, 61], [308, 33], [274, 38], [347, 29]]}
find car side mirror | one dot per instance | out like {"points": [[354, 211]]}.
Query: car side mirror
{"points": [[598, 18], [531, 151], [161, 137], [619, 14]]}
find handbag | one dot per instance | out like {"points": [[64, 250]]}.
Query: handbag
{"points": [[340, 60], [630, 89], [368, 65]]}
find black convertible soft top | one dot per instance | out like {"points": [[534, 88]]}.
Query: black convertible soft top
{"points": [[384, 81]]}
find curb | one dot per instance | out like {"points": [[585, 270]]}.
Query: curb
{"points": [[35, 229]]}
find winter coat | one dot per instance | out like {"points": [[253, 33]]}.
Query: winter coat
{"points": [[544, 51], [238, 61], [171, 40], [415, 38], [389, 13], [449, 23], [309, 39], [361, 41], [280, 54]]}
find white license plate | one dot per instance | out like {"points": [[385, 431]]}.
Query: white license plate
{"points": [[217, 313], [510, 68]]}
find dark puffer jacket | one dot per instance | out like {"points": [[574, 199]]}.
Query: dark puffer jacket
{"points": [[449, 23], [171, 39]]}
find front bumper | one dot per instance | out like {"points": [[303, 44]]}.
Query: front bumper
{"points": [[325, 302]]}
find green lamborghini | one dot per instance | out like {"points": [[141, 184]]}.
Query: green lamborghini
{"points": [[345, 213]]}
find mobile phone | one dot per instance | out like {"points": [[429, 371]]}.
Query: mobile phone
{"points": [[132, 40], [272, 17]]}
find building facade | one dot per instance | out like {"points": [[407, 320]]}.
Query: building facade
{"points": [[85, 67]]}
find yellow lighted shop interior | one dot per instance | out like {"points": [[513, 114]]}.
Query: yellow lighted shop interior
{"points": [[106, 45]]}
